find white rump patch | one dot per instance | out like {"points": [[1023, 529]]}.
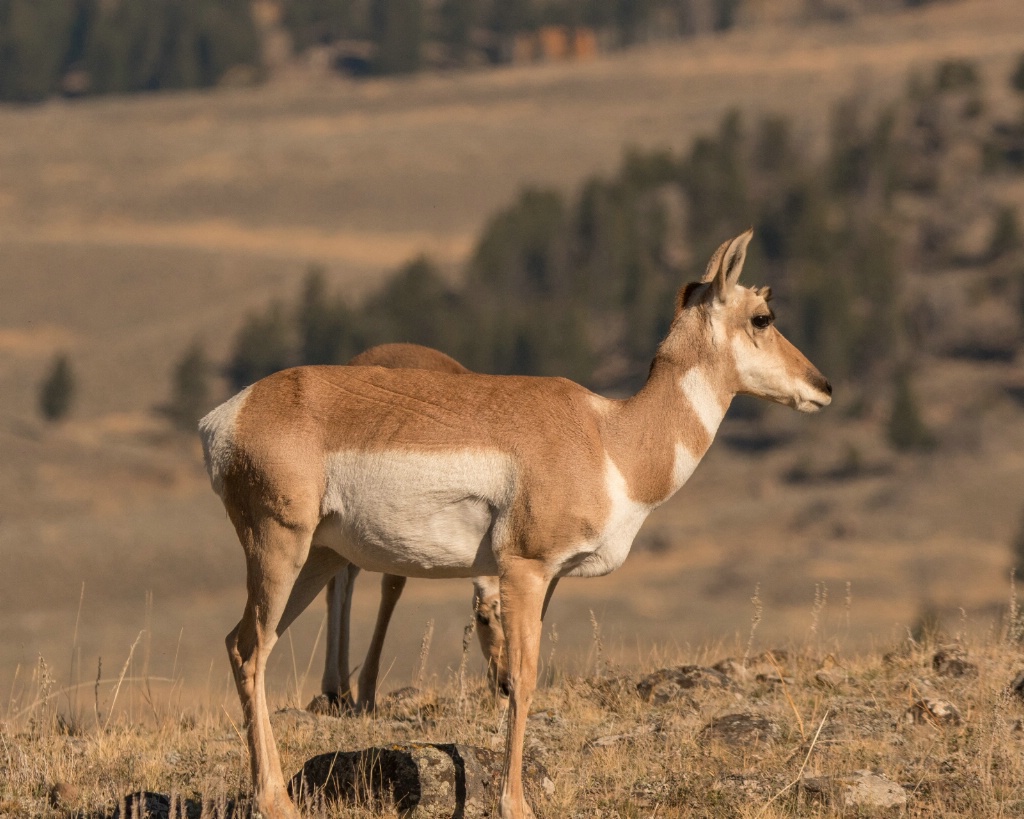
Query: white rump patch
{"points": [[217, 432], [609, 549], [417, 514], [704, 399]]}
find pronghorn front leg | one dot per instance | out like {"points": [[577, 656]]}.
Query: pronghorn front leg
{"points": [[524, 587]]}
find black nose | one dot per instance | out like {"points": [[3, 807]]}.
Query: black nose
{"points": [[828, 387]]}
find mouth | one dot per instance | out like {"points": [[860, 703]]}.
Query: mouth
{"points": [[813, 404]]}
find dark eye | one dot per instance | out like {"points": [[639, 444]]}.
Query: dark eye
{"points": [[762, 321]]}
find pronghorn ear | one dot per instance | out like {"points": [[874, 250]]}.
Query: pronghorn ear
{"points": [[724, 269]]}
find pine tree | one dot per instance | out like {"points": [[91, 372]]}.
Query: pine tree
{"points": [[262, 346], [457, 20], [1017, 77], [397, 29], [416, 306], [1017, 550], [35, 40], [190, 390], [57, 391], [907, 431], [327, 328]]}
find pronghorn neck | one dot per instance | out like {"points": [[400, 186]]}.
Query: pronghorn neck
{"points": [[661, 433]]}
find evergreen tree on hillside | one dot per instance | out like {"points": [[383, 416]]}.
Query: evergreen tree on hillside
{"points": [[190, 388], [417, 306], [57, 392], [458, 18], [169, 44], [1017, 77], [523, 249], [907, 431], [396, 27], [630, 17], [320, 22], [36, 39], [1017, 549], [715, 180], [262, 346], [326, 327]]}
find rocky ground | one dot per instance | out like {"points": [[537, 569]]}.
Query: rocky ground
{"points": [[930, 728]]}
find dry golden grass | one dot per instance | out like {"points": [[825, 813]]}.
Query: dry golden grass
{"points": [[609, 753]]}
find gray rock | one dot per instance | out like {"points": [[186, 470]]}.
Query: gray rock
{"points": [[827, 679], [933, 711], [421, 780], [772, 678], [951, 661], [858, 793], [741, 729], [669, 683], [732, 668], [1017, 686]]}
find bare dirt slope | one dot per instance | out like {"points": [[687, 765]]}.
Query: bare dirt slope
{"points": [[127, 226]]}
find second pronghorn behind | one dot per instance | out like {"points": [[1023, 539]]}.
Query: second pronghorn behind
{"points": [[335, 684]]}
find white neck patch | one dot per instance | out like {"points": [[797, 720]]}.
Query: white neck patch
{"points": [[683, 466], [703, 398]]}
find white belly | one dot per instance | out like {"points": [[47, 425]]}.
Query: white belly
{"points": [[413, 513]]}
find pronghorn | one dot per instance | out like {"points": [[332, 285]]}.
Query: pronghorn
{"points": [[426, 474], [334, 684]]}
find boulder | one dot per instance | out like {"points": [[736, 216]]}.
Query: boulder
{"points": [[860, 793], [741, 729], [421, 780], [1017, 686], [933, 711], [732, 668], [669, 683], [951, 661]]}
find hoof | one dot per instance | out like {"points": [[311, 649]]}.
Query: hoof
{"points": [[508, 809], [277, 807]]}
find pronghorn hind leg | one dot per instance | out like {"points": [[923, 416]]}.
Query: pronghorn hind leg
{"points": [[524, 585], [284, 575], [335, 687], [391, 587]]}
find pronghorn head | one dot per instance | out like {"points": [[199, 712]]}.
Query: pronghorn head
{"points": [[487, 608], [758, 359]]}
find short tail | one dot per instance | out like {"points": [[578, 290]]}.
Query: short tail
{"points": [[217, 432]]}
